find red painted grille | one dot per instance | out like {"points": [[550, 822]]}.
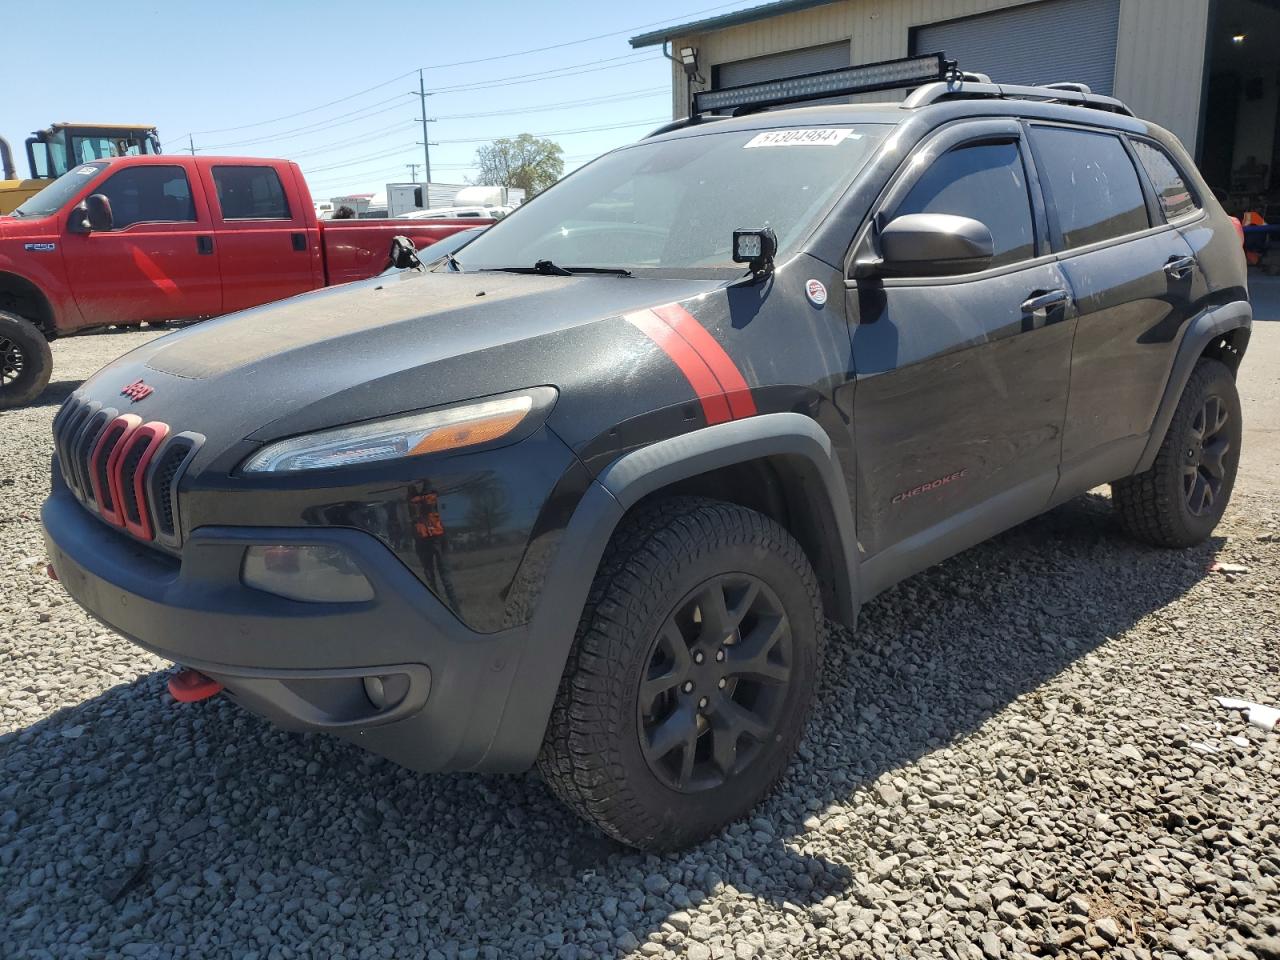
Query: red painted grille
{"points": [[124, 470]]}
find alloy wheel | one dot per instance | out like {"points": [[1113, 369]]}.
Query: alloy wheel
{"points": [[11, 360], [715, 683], [1204, 460]]}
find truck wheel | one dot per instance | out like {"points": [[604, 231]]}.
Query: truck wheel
{"points": [[1180, 499], [26, 362], [690, 677]]}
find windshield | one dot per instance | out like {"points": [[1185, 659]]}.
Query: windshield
{"points": [[52, 198], [673, 205]]}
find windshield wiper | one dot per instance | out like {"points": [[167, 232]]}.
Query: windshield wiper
{"points": [[549, 269]]}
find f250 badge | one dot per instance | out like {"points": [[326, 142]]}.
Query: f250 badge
{"points": [[137, 391], [40, 247]]}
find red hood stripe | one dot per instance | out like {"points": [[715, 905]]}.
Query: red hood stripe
{"points": [[715, 407], [732, 384]]}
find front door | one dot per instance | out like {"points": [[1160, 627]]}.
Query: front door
{"points": [[962, 381], [157, 261]]}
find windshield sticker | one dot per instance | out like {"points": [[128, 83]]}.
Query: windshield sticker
{"points": [[86, 170], [825, 137]]}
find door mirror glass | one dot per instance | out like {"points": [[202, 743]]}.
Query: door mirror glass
{"points": [[93, 214], [934, 245]]}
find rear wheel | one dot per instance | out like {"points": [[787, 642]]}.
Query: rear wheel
{"points": [[693, 670], [26, 362], [1181, 498]]}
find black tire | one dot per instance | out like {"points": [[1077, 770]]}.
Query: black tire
{"points": [[602, 753], [26, 362], [1181, 498]]}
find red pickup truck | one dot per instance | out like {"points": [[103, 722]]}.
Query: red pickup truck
{"points": [[155, 238]]}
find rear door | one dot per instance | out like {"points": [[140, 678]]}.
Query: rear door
{"points": [[961, 380], [1132, 275], [263, 231], [156, 262]]}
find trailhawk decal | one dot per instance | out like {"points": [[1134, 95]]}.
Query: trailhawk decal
{"points": [[711, 373], [931, 485]]}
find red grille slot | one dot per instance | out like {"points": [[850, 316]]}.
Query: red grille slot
{"points": [[104, 466], [148, 439]]}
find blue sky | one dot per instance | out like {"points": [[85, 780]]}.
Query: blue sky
{"points": [[254, 78]]}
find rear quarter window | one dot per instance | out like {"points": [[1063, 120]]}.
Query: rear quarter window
{"points": [[1091, 184], [250, 193], [1176, 198]]}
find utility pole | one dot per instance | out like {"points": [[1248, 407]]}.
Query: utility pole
{"points": [[426, 140], [413, 171], [192, 141]]}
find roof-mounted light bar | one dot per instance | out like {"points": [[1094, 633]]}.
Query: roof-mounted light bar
{"points": [[843, 81]]}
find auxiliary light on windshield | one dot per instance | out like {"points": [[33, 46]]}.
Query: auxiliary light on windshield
{"points": [[887, 75]]}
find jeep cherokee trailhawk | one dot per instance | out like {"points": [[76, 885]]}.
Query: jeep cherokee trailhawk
{"points": [[582, 494]]}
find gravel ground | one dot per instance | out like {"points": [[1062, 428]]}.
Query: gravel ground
{"points": [[1018, 754]]}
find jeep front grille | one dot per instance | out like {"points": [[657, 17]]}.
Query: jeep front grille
{"points": [[124, 470]]}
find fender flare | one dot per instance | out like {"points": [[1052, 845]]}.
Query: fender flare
{"points": [[1203, 329], [620, 486]]}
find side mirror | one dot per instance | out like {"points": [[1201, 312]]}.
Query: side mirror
{"points": [[404, 254], [931, 245], [93, 214]]}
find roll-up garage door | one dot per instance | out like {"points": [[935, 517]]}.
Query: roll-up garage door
{"points": [[775, 66], [1045, 42]]}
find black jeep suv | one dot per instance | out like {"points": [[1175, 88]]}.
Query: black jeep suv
{"points": [[582, 494]]}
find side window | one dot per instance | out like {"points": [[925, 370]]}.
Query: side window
{"points": [[985, 182], [1176, 198], [149, 194], [250, 193], [1091, 183]]}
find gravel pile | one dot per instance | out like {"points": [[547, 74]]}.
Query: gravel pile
{"points": [[1019, 754]]}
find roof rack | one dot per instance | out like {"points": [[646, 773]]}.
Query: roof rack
{"points": [[962, 87]]}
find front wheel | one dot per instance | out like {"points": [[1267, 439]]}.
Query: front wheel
{"points": [[1181, 498], [26, 362], [691, 675]]}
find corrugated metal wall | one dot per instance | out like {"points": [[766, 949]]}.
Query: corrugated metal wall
{"points": [[1159, 49], [1010, 45]]}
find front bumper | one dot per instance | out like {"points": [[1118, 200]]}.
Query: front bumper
{"points": [[303, 665]]}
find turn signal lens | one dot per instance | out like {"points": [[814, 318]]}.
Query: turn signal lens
{"points": [[432, 431]]}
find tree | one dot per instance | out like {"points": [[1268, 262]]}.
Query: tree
{"points": [[526, 161]]}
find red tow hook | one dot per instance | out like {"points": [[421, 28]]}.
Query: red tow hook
{"points": [[192, 686]]}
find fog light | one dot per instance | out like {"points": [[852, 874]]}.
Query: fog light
{"points": [[312, 573]]}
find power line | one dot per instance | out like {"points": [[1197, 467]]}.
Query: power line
{"points": [[318, 126], [553, 73], [290, 116], [571, 43], [562, 133], [590, 101], [456, 63]]}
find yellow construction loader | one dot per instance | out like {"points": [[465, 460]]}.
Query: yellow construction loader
{"points": [[55, 150]]}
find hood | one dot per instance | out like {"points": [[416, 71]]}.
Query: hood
{"points": [[374, 348]]}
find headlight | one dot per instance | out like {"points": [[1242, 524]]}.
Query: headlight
{"points": [[429, 432]]}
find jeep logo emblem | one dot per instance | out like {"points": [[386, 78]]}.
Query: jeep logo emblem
{"points": [[137, 391]]}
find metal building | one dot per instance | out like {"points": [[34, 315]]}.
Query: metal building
{"points": [[1209, 70]]}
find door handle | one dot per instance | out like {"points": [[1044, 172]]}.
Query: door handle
{"points": [[1179, 268], [1039, 304], [204, 245], [299, 241]]}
